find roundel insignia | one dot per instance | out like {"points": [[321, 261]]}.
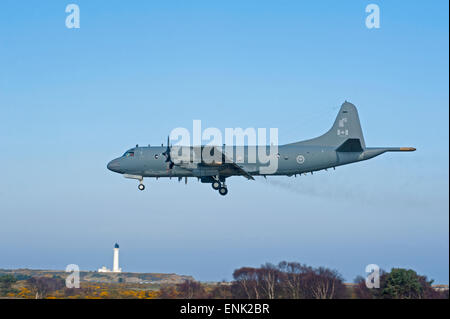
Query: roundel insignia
{"points": [[300, 159]]}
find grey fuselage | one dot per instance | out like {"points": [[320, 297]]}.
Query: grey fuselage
{"points": [[149, 161], [342, 144]]}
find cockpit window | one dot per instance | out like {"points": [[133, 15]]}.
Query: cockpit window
{"points": [[128, 154]]}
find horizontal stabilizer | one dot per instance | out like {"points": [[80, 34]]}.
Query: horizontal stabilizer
{"points": [[350, 145]]}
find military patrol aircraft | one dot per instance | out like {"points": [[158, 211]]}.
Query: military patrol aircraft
{"points": [[342, 144]]}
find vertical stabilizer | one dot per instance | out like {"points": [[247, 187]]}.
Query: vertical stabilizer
{"points": [[346, 126]]}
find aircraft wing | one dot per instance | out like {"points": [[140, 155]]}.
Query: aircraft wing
{"points": [[240, 170], [226, 165], [233, 165]]}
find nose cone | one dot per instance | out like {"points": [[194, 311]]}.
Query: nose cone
{"points": [[114, 166]]}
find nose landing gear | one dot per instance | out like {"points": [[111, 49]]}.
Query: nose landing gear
{"points": [[140, 178]]}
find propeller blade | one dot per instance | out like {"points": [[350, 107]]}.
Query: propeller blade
{"points": [[167, 151], [168, 157]]}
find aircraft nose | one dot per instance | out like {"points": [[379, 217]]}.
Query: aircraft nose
{"points": [[114, 165]]}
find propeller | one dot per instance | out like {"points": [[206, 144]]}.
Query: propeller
{"points": [[168, 157]]}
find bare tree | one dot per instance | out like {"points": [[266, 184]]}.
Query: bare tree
{"points": [[268, 278], [292, 278], [246, 283], [323, 283], [42, 286], [191, 289]]}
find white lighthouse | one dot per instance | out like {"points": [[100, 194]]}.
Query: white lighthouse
{"points": [[116, 259], [116, 267]]}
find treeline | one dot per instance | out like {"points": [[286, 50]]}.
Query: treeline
{"points": [[287, 280], [292, 280]]}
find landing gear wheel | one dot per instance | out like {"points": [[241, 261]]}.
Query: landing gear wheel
{"points": [[141, 187], [223, 191], [215, 185]]}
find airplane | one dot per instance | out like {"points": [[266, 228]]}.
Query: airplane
{"points": [[342, 144]]}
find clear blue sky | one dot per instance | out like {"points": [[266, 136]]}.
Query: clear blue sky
{"points": [[71, 100]]}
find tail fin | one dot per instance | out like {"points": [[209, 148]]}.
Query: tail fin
{"points": [[346, 126]]}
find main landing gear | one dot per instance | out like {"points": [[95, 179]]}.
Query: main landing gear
{"points": [[223, 191], [219, 186], [216, 185], [141, 187]]}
